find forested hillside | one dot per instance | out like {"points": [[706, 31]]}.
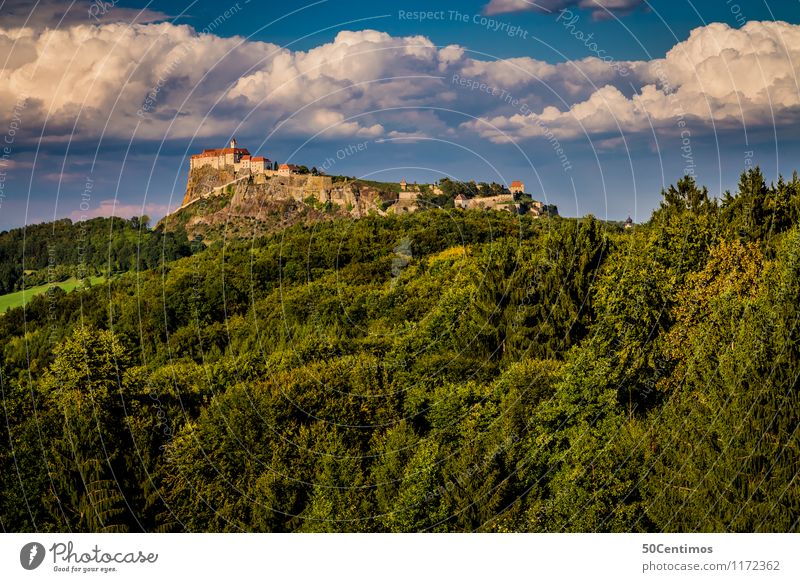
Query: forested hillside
{"points": [[441, 371], [49, 252]]}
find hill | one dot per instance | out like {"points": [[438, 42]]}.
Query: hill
{"points": [[40, 254], [444, 370], [221, 203], [252, 205]]}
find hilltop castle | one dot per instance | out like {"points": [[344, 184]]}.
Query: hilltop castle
{"points": [[239, 158], [245, 177]]}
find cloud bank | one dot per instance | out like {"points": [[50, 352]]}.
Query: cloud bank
{"points": [[719, 79], [159, 81]]}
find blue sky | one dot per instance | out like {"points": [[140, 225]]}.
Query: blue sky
{"points": [[498, 91], [643, 32]]}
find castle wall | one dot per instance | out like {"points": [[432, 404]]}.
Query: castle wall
{"points": [[500, 202], [210, 161]]}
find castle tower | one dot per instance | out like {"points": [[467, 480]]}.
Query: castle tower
{"points": [[233, 142]]}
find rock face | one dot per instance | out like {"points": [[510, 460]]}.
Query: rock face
{"points": [[298, 188], [217, 198], [203, 180], [319, 191], [220, 202], [353, 197]]}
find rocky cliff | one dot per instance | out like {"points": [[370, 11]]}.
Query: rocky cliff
{"points": [[220, 203], [218, 200], [204, 180]]}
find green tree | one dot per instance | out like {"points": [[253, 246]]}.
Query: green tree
{"points": [[85, 384]]}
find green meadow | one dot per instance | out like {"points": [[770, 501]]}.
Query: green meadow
{"points": [[20, 298]]}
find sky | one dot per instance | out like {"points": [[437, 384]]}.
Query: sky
{"points": [[596, 105]]}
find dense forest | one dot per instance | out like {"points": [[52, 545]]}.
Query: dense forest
{"points": [[51, 252], [441, 371]]}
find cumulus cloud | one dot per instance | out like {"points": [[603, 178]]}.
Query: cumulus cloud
{"points": [[358, 72], [719, 78], [160, 80], [119, 77], [600, 8]]}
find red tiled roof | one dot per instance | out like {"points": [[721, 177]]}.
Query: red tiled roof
{"points": [[259, 159], [516, 184], [213, 153]]}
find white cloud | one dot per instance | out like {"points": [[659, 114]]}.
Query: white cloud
{"points": [[164, 80], [719, 78], [357, 72]]}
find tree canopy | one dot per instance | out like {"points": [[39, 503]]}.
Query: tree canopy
{"points": [[439, 371]]}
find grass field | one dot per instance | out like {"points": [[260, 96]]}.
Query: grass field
{"points": [[20, 298]]}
